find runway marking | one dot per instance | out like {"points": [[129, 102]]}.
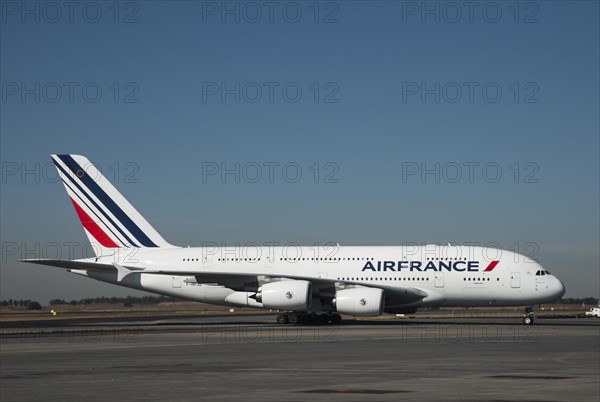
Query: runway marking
{"points": [[351, 391], [213, 342], [530, 377]]}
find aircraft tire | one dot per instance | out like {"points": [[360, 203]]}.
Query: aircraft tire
{"points": [[293, 318], [335, 319]]}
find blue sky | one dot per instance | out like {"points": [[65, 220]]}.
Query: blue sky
{"points": [[367, 92]]}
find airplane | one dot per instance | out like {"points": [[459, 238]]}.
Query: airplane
{"points": [[305, 284]]}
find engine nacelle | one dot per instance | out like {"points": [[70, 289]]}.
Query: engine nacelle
{"points": [[285, 295], [360, 301]]}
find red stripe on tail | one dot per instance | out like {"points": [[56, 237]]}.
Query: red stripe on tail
{"points": [[491, 266], [93, 228]]}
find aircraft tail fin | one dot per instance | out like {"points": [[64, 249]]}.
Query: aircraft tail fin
{"points": [[109, 220]]}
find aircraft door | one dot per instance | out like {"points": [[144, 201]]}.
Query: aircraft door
{"points": [[268, 255], [515, 280], [438, 279], [207, 257]]}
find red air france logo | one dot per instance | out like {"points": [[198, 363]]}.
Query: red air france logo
{"points": [[491, 266]]}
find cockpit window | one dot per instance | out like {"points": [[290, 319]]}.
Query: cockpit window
{"points": [[547, 273], [538, 273]]}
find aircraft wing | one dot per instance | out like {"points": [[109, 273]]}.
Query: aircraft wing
{"points": [[249, 282], [241, 281]]}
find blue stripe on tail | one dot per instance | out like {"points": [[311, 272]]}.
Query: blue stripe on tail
{"points": [[96, 205], [106, 200]]}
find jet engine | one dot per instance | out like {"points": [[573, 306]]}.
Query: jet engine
{"points": [[285, 295], [360, 301]]}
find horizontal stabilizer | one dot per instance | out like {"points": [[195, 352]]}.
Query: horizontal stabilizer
{"points": [[82, 265], [122, 271]]}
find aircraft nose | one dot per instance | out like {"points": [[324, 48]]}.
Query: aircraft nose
{"points": [[560, 288]]}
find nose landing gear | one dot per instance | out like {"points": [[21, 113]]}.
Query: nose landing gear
{"points": [[528, 316]]}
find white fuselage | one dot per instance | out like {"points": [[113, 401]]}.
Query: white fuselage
{"points": [[450, 275]]}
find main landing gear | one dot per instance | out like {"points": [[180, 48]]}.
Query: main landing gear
{"points": [[308, 318], [528, 316]]}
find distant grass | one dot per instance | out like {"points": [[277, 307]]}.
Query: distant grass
{"points": [[12, 314], [184, 308]]}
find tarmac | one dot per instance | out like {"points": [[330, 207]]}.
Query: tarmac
{"points": [[251, 358]]}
